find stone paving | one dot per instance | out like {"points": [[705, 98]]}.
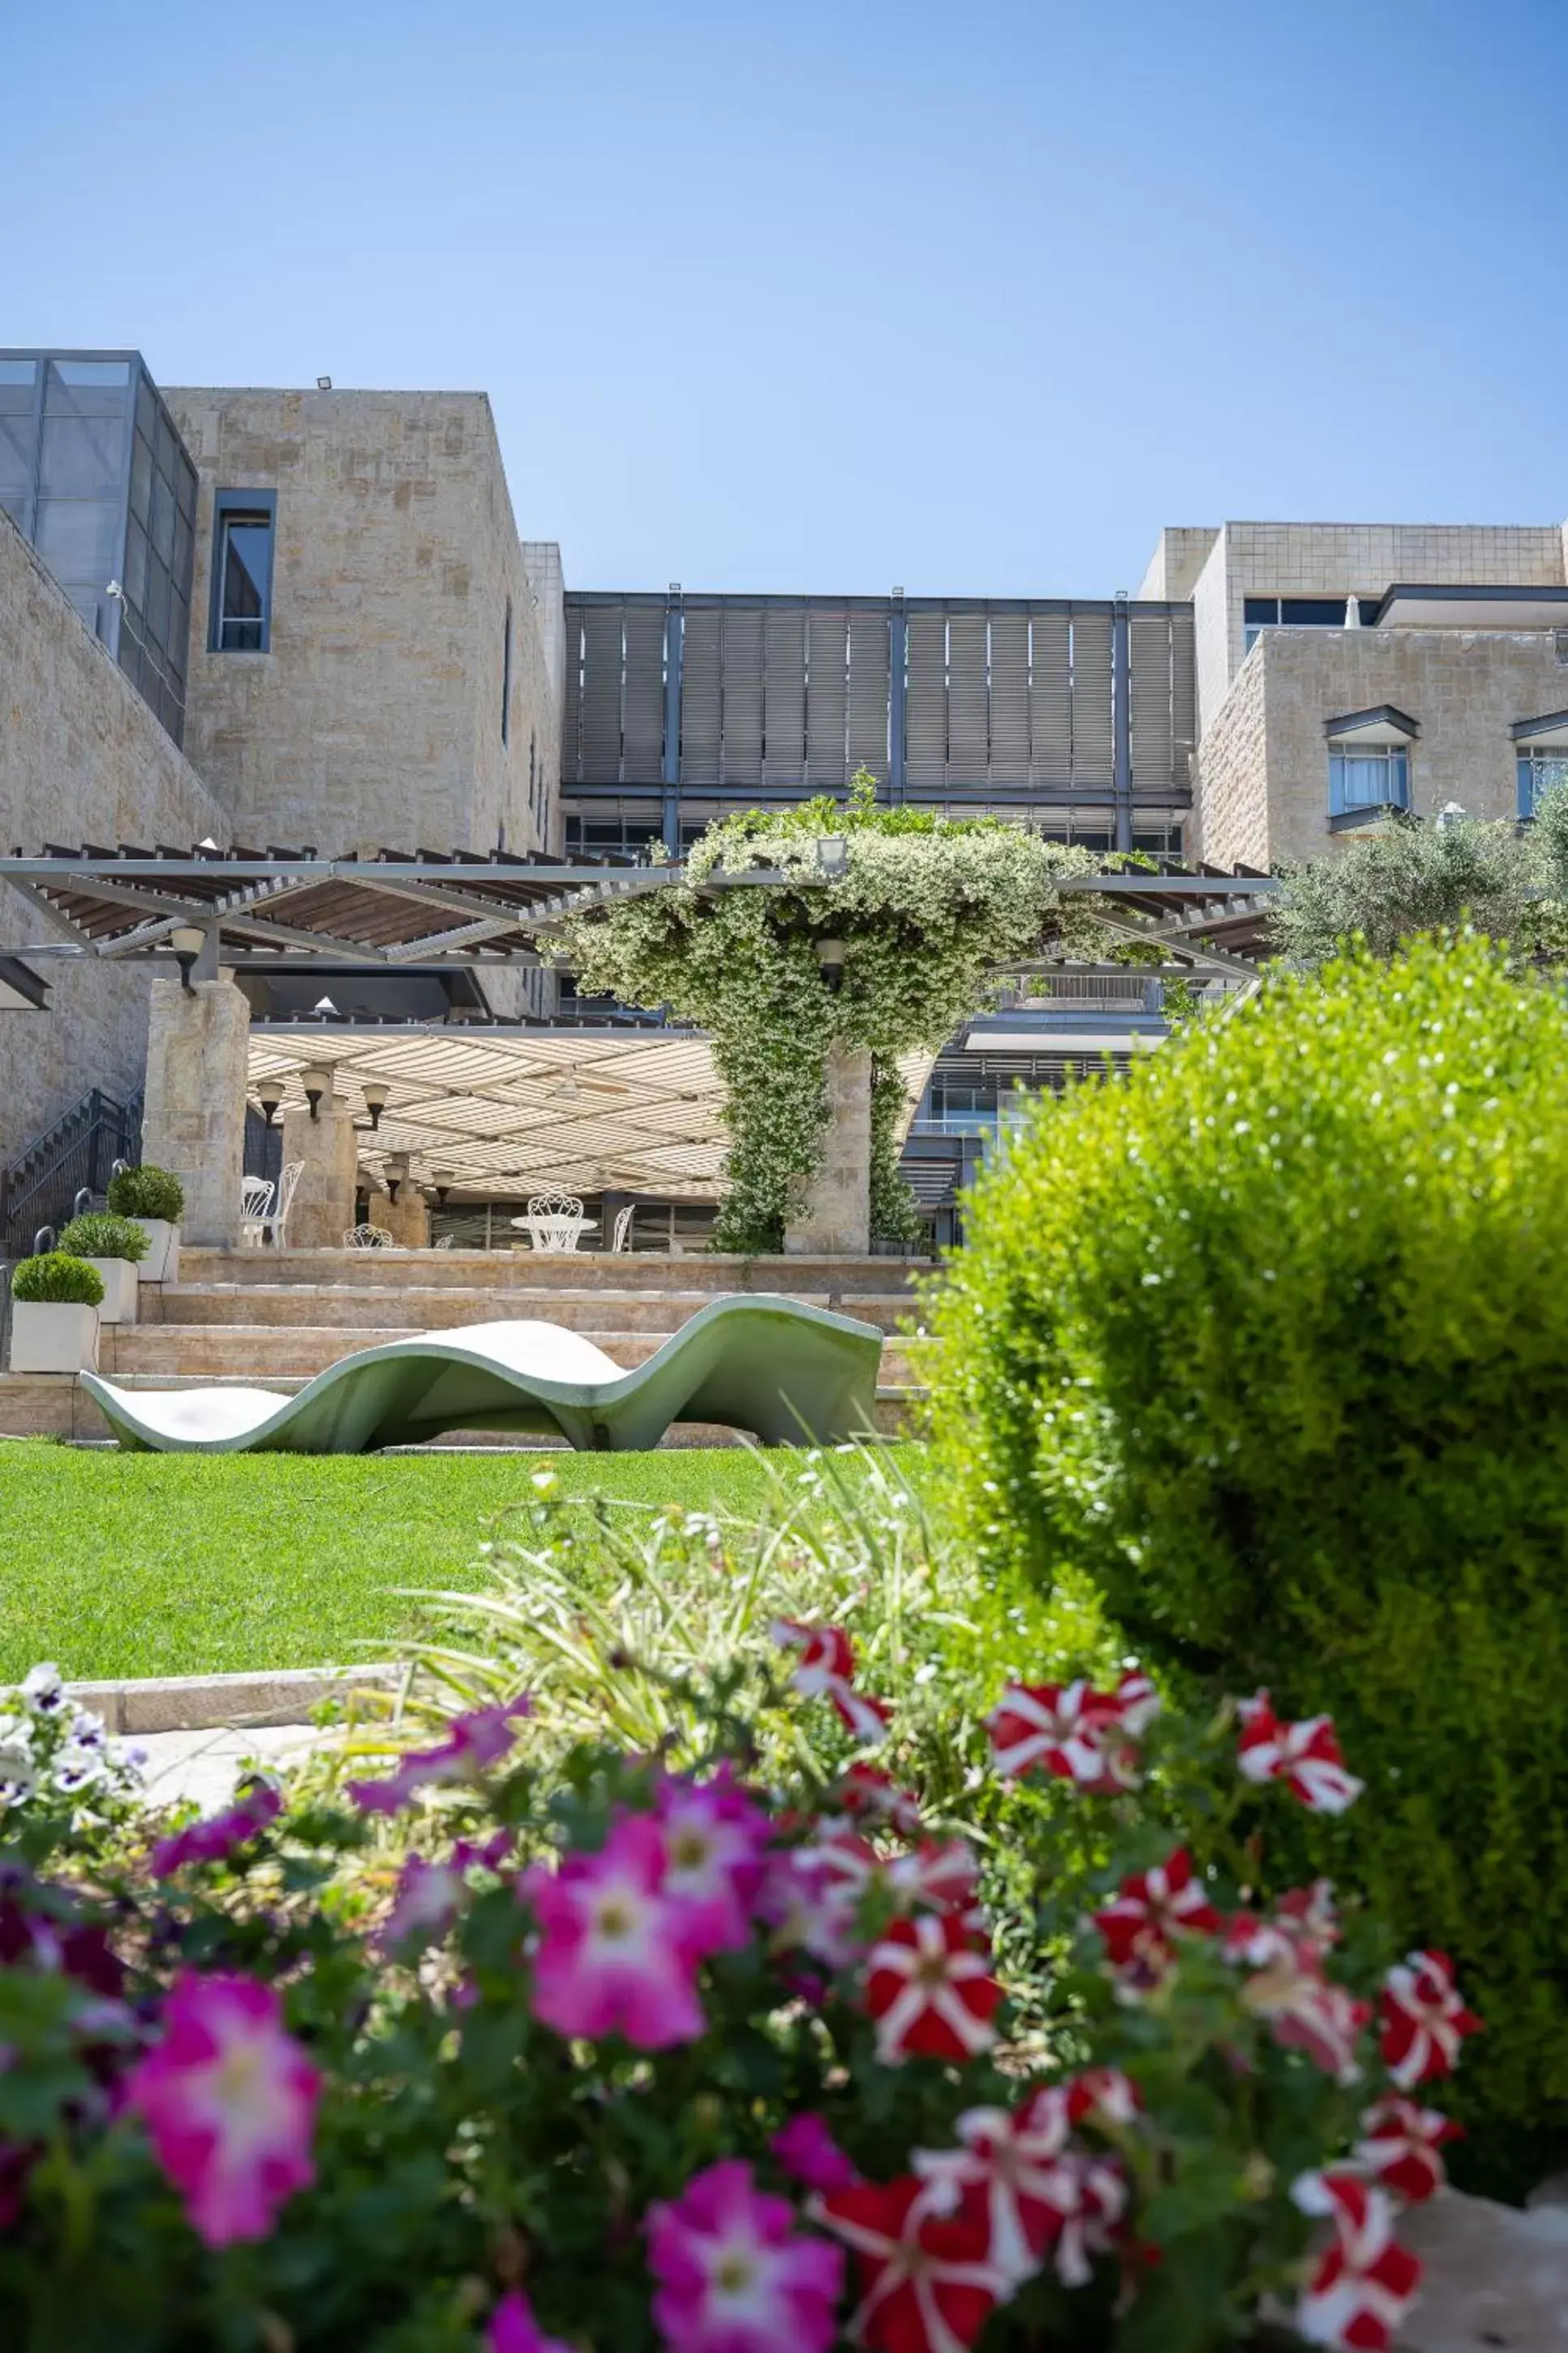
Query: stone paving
{"points": [[205, 1765]]}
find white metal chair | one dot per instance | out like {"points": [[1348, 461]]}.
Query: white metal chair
{"points": [[288, 1185], [369, 1238], [622, 1237], [554, 1221], [255, 1202], [447, 1241]]}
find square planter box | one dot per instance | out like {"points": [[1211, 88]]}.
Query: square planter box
{"points": [[50, 1336], [118, 1279], [161, 1263]]}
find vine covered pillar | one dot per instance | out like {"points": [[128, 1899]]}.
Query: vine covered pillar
{"points": [[829, 1213]]}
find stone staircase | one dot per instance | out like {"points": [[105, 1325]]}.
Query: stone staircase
{"points": [[275, 1319]]}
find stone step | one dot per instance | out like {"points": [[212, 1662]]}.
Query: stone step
{"points": [[701, 1271], [263, 1350], [435, 1307]]}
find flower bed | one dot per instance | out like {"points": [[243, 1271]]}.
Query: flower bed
{"points": [[661, 2050]]}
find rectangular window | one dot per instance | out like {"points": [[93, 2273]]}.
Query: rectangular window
{"points": [[1541, 769], [1260, 613], [1369, 776], [243, 529]]}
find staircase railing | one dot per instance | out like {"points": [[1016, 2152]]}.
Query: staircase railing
{"points": [[76, 1156]]}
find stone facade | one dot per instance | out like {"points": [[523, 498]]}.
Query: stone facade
{"points": [[81, 759], [376, 716], [198, 1049], [831, 1211], [1263, 792]]}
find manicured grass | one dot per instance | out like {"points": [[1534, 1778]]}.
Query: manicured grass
{"points": [[177, 1564]]}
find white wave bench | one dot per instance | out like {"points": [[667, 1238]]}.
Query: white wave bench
{"points": [[784, 1371]]}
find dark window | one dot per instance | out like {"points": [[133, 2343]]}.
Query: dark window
{"points": [[243, 534], [505, 677], [1259, 613]]}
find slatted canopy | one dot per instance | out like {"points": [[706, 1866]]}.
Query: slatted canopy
{"points": [[499, 1113], [400, 907]]}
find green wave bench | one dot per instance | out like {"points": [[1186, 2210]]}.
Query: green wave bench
{"points": [[786, 1372]]}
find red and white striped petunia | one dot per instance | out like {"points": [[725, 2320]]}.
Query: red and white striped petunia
{"points": [[1306, 2011], [927, 2279], [1006, 2158], [1089, 2195], [1103, 2096], [1366, 2282], [1424, 2020], [1400, 2146], [928, 1987], [867, 1794], [826, 1670], [1070, 1730], [1305, 1756], [1136, 1703], [1148, 1911]]}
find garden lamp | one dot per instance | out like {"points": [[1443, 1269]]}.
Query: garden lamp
{"points": [[376, 1092], [316, 1084], [830, 958], [270, 1096], [187, 940]]}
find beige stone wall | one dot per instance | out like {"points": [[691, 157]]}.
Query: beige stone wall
{"points": [[375, 718], [1299, 559], [1263, 771], [1180, 554], [1229, 823], [81, 759]]}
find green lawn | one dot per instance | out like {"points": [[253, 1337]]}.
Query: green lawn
{"points": [[179, 1564]]}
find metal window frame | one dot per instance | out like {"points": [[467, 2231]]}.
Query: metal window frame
{"points": [[227, 503]]}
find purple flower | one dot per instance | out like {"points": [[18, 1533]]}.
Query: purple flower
{"points": [[617, 1953], [715, 1839], [805, 2149], [472, 1742], [229, 2101], [733, 2274], [513, 2328], [215, 1839]]}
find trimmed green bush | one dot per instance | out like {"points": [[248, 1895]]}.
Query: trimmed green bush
{"points": [[1272, 1341], [56, 1278], [97, 1235], [147, 1193]]}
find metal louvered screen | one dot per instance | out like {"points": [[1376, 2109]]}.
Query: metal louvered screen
{"points": [[792, 695]]}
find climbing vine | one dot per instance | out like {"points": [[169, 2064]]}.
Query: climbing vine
{"points": [[925, 907]]}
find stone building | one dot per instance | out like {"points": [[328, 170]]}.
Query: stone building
{"points": [[1345, 670]]}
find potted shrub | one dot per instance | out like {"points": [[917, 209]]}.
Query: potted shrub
{"points": [[55, 1300], [115, 1246], [156, 1200]]}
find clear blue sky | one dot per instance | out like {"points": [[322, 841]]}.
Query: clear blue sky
{"points": [[836, 294]]}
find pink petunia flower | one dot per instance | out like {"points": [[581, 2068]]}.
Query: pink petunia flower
{"points": [[617, 1952], [928, 1987], [733, 2274], [826, 1670], [928, 2282], [1424, 2020], [1400, 2147], [1148, 1912], [473, 1741], [714, 1843], [1366, 2282], [513, 2328], [229, 2101], [807, 2150], [1305, 1756], [809, 1904], [424, 1902], [215, 1839]]}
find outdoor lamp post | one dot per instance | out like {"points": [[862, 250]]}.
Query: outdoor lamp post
{"points": [[316, 1083], [442, 1180], [270, 1095], [376, 1092], [187, 940], [830, 955]]}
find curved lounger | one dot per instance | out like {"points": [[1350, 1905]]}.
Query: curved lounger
{"points": [[771, 1366]]}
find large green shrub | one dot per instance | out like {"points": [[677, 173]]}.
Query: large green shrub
{"points": [[96, 1234], [1272, 1340], [147, 1192], [56, 1280]]}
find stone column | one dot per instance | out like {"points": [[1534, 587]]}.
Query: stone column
{"points": [[830, 1213], [327, 1147], [193, 1124]]}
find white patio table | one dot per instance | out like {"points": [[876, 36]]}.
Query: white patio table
{"points": [[555, 1233]]}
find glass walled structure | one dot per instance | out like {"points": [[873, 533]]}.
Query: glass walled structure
{"points": [[94, 474]]}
